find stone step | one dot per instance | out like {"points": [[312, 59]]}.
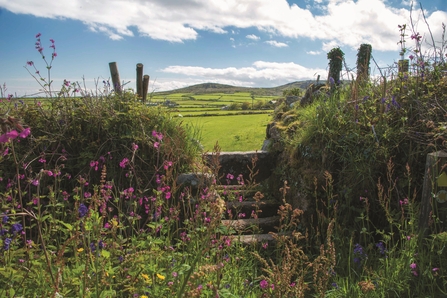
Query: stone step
{"points": [[256, 238], [263, 208], [265, 224]]}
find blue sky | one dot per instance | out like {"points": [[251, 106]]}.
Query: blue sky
{"points": [[253, 43]]}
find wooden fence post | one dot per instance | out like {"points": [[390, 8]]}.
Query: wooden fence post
{"points": [[140, 80], [115, 77], [434, 194], [145, 87]]}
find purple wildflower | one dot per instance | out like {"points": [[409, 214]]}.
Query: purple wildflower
{"points": [[82, 210]]}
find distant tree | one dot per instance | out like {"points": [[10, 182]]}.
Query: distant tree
{"points": [[259, 104], [234, 106], [292, 92], [363, 59], [246, 105], [335, 57]]}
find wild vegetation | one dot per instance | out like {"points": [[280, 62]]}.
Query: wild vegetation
{"points": [[91, 206]]}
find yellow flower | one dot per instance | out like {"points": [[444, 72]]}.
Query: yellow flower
{"points": [[146, 278], [144, 296], [160, 276], [80, 249]]}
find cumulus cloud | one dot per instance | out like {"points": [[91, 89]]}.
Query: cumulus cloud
{"points": [[260, 73], [313, 52], [345, 23], [276, 43], [253, 37]]}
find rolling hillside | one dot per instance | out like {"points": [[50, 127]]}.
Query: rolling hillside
{"points": [[221, 88]]}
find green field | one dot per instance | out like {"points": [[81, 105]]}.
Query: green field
{"points": [[233, 133], [219, 117]]}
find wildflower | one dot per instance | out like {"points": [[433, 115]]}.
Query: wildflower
{"points": [[359, 254], [80, 249], [381, 247], [413, 265], [11, 135], [17, 227], [263, 284], [157, 135], [143, 296], [161, 276], [54, 55], [435, 269], [334, 284], [156, 145], [82, 210], [5, 218], [331, 81], [7, 243], [38, 35], [174, 274], [134, 147], [404, 202], [124, 162], [411, 57], [30, 63], [265, 245]]}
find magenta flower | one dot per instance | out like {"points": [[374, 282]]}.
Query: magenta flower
{"points": [[263, 284], [157, 135], [124, 162], [30, 63], [51, 40], [156, 145], [38, 35], [413, 266], [24, 133], [54, 55], [11, 135]]}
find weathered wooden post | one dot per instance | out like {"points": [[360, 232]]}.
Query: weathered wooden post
{"points": [[145, 87], [140, 79], [434, 192], [115, 77]]}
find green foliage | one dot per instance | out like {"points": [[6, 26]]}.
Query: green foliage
{"points": [[363, 59], [73, 132], [292, 92], [335, 57]]}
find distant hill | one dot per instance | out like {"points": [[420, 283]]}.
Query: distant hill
{"points": [[206, 88]]}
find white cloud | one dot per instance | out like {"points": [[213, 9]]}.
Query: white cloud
{"points": [[313, 52], [344, 22], [276, 43], [260, 73], [253, 37]]}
